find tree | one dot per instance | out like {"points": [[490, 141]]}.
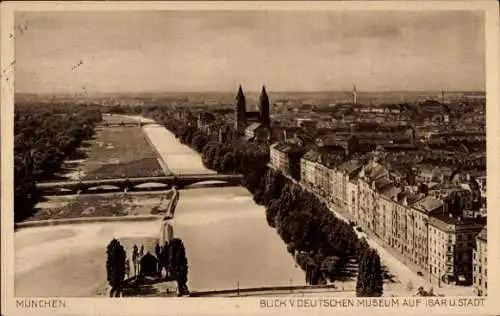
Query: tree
{"points": [[44, 137], [226, 165], [369, 281], [376, 278], [329, 267], [178, 265], [115, 267]]}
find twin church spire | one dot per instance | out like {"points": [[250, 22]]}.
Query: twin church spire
{"points": [[242, 116]]}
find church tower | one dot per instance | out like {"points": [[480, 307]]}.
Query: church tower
{"points": [[241, 112], [264, 108], [354, 95]]}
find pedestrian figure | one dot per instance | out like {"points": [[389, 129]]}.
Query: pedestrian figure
{"points": [[127, 268], [158, 256], [135, 258], [141, 252]]}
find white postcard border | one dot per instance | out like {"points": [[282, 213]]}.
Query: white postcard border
{"points": [[219, 306]]}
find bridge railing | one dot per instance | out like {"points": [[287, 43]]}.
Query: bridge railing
{"points": [[139, 179]]}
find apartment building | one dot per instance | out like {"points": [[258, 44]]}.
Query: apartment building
{"points": [[415, 223], [286, 158], [352, 198], [480, 264], [318, 163], [308, 171], [451, 244], [341, 178], [369, 173], [386, 205], [336, 180], [278, 157], [421, 211]]}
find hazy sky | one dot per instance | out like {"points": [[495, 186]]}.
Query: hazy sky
{"points": [[215, 51]]}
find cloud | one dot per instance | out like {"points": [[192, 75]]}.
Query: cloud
{"points": [[290, 50]]}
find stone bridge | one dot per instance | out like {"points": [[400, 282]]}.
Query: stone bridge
{"points": [[127, 124], [133, 184]]}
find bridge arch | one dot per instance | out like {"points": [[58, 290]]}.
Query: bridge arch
{"points": [[103, 188], [62, 191], [187, 183], [152, 185]]}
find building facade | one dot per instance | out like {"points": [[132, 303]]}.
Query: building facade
{"points": [[450, 248], [480, 264]]}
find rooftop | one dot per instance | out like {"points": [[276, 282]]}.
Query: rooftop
{"points": [[382, 183], [390, 191], [442, 219], [351, 166], [410, 197], [288, 148], [428, 204], [374, 170], [327, 156]]}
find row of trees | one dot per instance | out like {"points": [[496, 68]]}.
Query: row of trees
{"points": [[322, 245], [44, 136]]}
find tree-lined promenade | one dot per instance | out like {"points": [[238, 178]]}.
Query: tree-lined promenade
{"points": [[45, 136], [325, 247]]}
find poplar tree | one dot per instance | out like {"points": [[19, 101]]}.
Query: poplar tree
{"points": [[369, 281], [178, 264], [115, 266]]}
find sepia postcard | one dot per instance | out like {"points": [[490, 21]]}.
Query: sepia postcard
{"points": [[209, 158]]}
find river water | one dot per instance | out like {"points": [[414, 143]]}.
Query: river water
{"points": [[227, 239]]}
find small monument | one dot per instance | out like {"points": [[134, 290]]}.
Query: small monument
{"points": [[149, 266]]}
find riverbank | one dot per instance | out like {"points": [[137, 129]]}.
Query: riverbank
{"points": [[114, 152], [96, 205], [71, 259]]}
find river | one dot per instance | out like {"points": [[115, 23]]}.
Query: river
{"points": [[226, 235], [227, 239]]}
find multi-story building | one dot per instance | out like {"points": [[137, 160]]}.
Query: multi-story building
{"points": [[414, 220], [480, 264], [386, 205], [369, 173], [308, 170], [344, 174], [419, 219], [451, 242], [278, 156], [352, 197], [318, 163], [285, 157], [336, 189]]}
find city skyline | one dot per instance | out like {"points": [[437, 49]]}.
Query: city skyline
{"points": [[216, 51]]}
